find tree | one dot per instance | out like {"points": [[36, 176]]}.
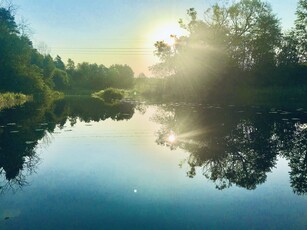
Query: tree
{"points": [[59, 63], [236, 38], [122, 76], [60, 79], [20, 64], [89, 76], [250, 30], [48, 68], [70, 65], [142, 76], [301, 30], [7, 21], [267, 36], [288, 54]]}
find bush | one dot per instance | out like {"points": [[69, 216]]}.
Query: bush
{"points": [[110, 95], [8, 100]]}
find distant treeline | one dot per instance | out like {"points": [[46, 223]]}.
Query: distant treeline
{"points": [[236, 51], [235, 48], [23, 69]]}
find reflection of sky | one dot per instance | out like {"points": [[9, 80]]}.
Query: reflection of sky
{"points": [[88, 176], [67, 27]]}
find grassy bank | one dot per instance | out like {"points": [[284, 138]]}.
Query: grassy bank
{"points": [[8, 100]]}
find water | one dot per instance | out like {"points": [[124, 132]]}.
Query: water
{"points": [[81, 164]]}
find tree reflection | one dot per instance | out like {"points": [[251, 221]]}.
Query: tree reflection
{"points": [[20, 132], [298, 159], [237, 146], [24, 129]]}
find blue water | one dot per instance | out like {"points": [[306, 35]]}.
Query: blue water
{"points": [[112, 174]]}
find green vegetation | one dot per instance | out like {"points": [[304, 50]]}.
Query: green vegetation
{"points": [[110, 95], [24, 70], [237, 52], [86, 76], [8, 100]]}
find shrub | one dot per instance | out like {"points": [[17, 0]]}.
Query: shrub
{"points": [[110, 94]]}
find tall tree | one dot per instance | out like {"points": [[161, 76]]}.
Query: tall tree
{"points": [[19, 62], [122, 76], [288, 54], [7, 21], [301, 29], [242, 36], [59, 63]]}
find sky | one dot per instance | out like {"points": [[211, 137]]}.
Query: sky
{"points": [[115, 31]]}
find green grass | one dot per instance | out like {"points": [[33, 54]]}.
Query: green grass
{"points": [[8, 100]]}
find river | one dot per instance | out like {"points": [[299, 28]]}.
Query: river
{"points": [[78, 163]]}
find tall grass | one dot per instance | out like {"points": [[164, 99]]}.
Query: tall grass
{"points": [[8, 100]]}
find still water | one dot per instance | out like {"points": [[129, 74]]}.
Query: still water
{"points": [[81, 164]]}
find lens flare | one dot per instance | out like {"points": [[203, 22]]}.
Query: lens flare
{"points": [[167, 32], [171, 138]]}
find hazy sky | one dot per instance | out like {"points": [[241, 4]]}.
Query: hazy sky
{"points": [[115, 31]]}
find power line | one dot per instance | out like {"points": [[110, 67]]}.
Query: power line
{"points": [[134, 51], [106, 48]]}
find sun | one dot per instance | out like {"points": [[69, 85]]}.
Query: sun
{"points": [[171, 138], [167, 32]]}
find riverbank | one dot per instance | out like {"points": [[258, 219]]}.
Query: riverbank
{"points": [[273, 96], [159, 91]]}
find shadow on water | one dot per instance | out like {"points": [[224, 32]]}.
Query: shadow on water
{"points": [[237, 146], [24, 129]]}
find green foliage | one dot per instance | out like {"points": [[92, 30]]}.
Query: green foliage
{"points": [[59, 63], [70, 67], [122, 76], [95, 77], [7, 21], [288, 54], [24, 69], [60, 79], [301, 30], [236, 45], [90, 76], [20, 64], [8, 100], [110, 95]]}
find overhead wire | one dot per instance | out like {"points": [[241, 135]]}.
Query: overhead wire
{"points": [[105, 50]]}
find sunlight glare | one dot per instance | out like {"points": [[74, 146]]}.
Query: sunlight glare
{"points": [[171, 138], [166, 33]]}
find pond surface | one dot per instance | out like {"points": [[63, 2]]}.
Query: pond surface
{"points": [[82, 164]]}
